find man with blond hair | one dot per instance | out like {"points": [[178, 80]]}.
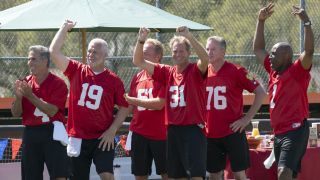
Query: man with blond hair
{"points": [[185, 102], [148, 127]]}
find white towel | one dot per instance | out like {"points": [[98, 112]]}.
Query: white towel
{"points": [[60, 133], [128, 142], [74, 147], [269, 161]]}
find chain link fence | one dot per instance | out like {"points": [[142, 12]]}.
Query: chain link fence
{"points": [[234, 20]]}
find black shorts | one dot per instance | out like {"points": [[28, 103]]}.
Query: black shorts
{"points": [[187, 152], [144, 151], [38, 147], [103, 160], [234, 146], [290, 147]]}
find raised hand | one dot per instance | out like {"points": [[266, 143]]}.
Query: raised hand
{"points": [[68, 24], [143, 34], [297, 10], [183, 31], [266, 12]]}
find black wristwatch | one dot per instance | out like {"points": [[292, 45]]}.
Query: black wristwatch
{"points": [[307, 23]]}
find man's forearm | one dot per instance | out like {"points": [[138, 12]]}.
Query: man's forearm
{"points": [[59, 39], [120, 117], [16, 109], [138, 54], [259, 42], [308, 40], [199, 49], [154, 103], [260, 94], [43, 106]]}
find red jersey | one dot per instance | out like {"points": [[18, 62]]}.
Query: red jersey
{"points": [[288, 96], [185, 95], [224, 97], [92, 99], [146, 122], [52, 90]]}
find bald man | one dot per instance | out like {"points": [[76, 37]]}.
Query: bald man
{"points": [[288, 86], [94, 91]]}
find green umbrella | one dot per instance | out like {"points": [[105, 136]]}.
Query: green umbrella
{"points": [[93, 16]]}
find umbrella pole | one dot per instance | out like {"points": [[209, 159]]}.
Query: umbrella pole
{"points": [[83, 42]]}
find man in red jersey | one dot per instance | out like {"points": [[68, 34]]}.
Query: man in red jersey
{"points": [[94, 91], [185, 102], [149, 132], [36, 101], [288, 86], [225, 120]]}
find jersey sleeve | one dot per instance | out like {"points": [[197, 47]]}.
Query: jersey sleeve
{"points": [[247, 80], [132, 90], [161, 73], [299, 72], [59, 98], [119, 92], [162, 92], [72, 68], [198, 73], [267, 64]]}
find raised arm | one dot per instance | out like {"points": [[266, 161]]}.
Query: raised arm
{"points": [[258, 41], [138, 59], [307, 55], [58, 58], [199, 49]]}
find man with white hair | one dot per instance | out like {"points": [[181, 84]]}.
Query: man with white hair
{"points": [[94, 91]]}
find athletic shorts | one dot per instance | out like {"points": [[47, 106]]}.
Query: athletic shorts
{"points": [[103, 160], [38, 147], [290, 147], [234, 146], [187, 151], [144, 151]]}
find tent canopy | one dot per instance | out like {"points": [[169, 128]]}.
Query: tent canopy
{"points": [[92, 15]]}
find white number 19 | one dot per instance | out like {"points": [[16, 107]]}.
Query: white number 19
{"points": [[94, 93]]}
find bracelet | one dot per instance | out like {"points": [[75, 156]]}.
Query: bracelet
{"points": [[307, 23], [141, 42]]}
